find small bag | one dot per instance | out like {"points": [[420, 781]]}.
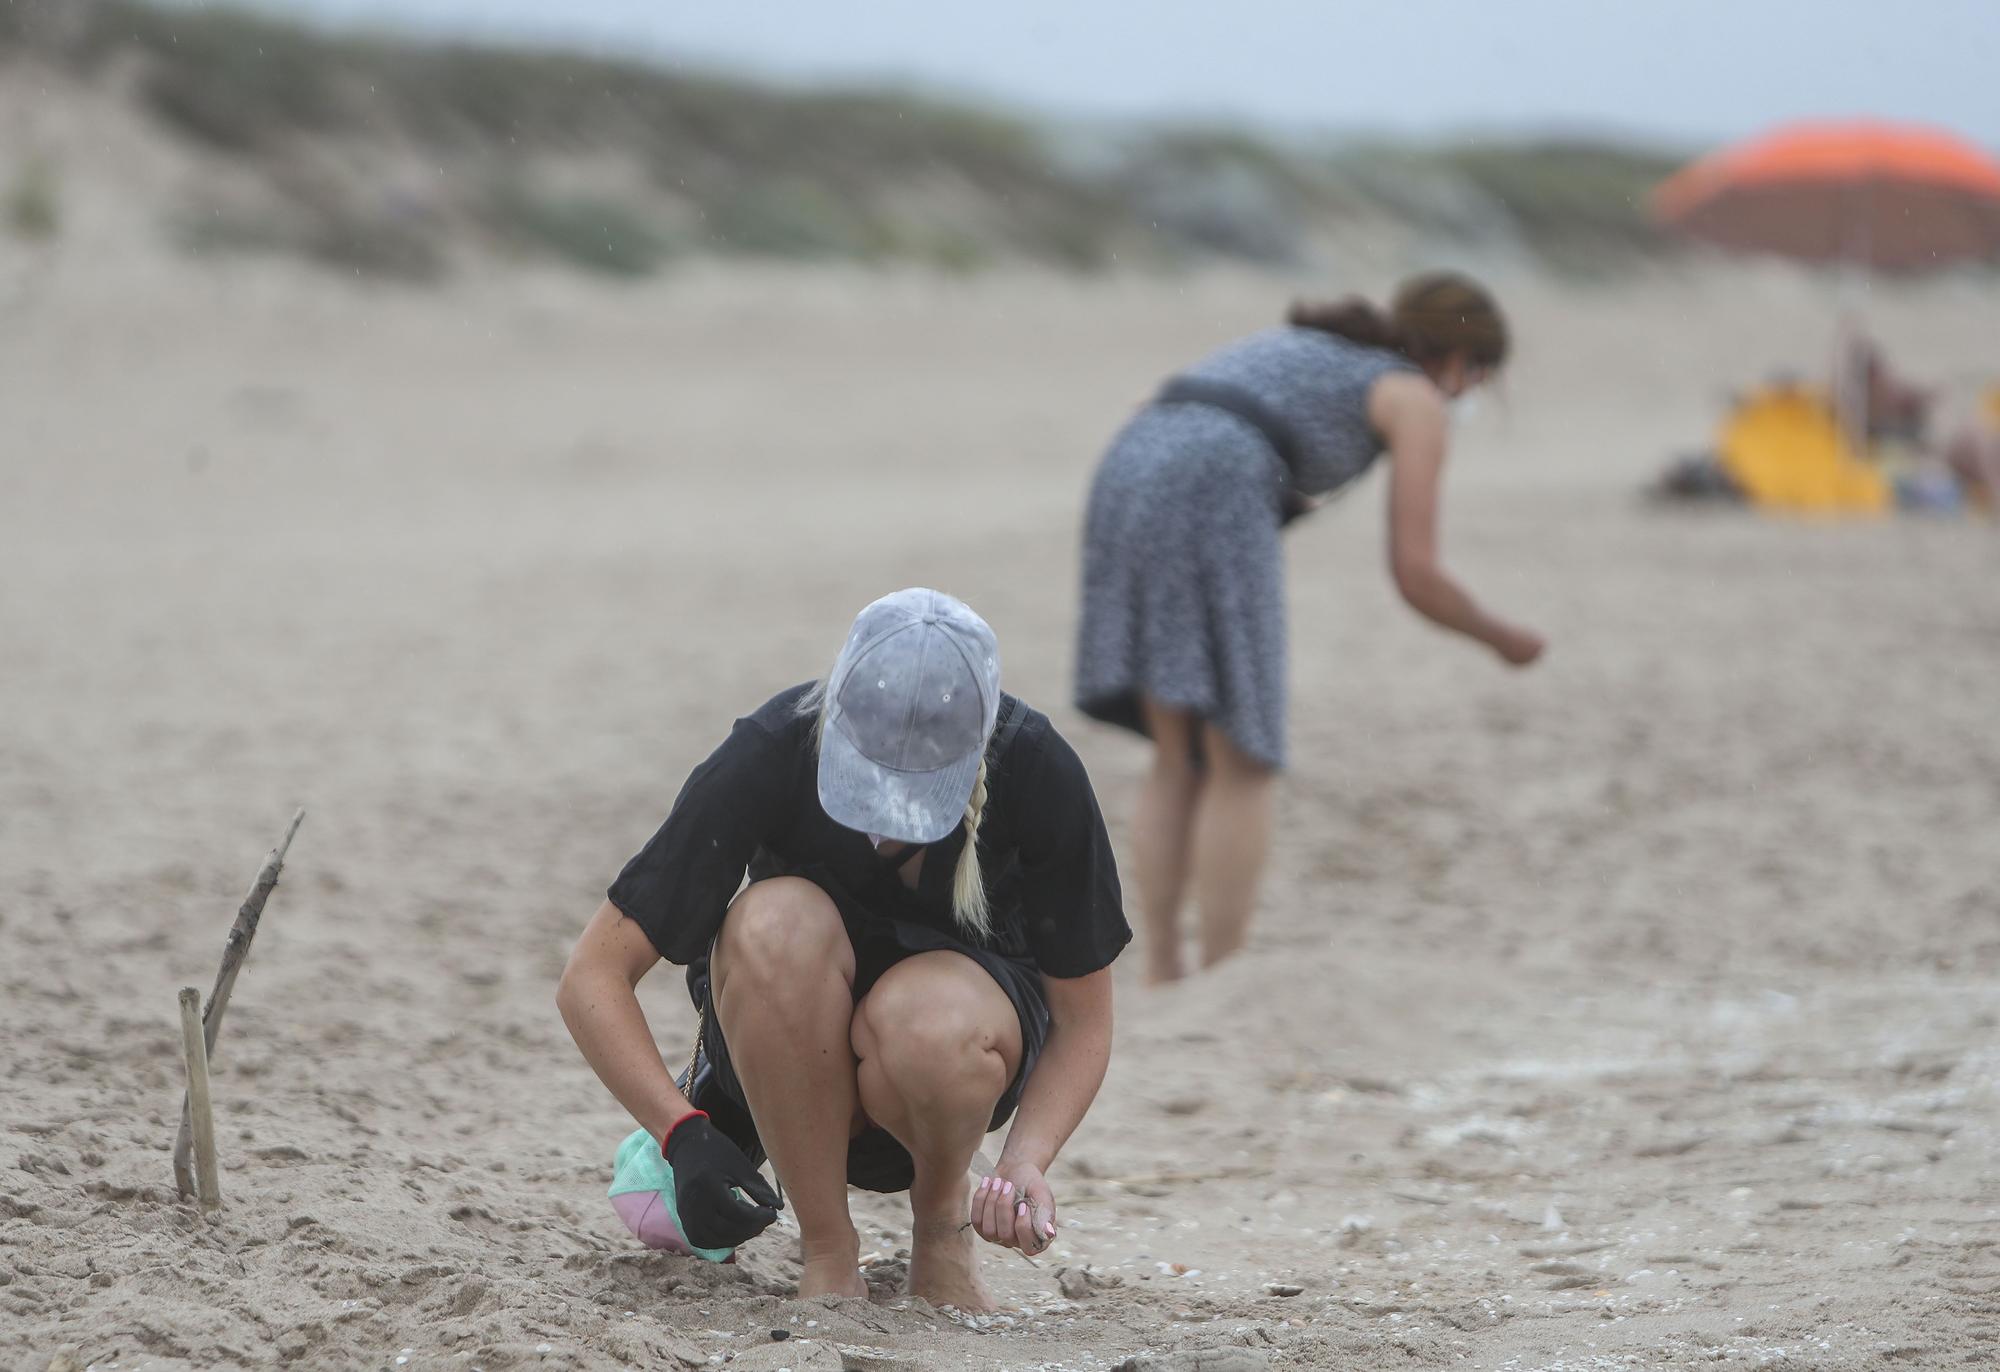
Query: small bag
{"points": [[699, 1082], [642, 1192]]}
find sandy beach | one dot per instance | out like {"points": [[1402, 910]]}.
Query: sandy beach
{"points": [[1637, 1011]]}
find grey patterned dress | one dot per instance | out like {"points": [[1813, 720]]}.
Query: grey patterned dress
{"points": [[1183, 578]]}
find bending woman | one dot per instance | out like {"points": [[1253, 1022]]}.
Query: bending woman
{"points": [[1183, 628], [923, 946]]}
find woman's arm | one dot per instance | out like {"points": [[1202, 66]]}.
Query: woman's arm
{"points": [[599, 1002], [1071, 1067], [1409, 413], [720, 1198], [1053, 1102]]}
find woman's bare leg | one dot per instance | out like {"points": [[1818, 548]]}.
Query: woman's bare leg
{"points": [[1161, 833], [938, 1042], [1232, 837], [783, 982]]}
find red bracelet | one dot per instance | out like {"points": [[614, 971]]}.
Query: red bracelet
{"points": [[692, 1114]]}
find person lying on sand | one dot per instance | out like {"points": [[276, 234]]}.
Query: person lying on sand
{"points": [[1182, 637], [924, 946]]}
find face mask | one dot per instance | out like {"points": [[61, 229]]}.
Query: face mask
{"points": [[1464, 407]]}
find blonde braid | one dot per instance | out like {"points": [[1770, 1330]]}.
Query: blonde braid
{"points": [[968, 886], [813, 705]]}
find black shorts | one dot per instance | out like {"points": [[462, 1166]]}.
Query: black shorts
{"points": [[875, 1161]]}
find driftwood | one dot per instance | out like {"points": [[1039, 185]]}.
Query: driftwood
{"points": [[195, 1053], [234, 950]]}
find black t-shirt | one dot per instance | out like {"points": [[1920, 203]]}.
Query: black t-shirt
{"points": [[753, 807]]}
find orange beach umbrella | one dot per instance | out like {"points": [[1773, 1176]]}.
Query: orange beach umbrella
{"points": [[1896, 197]]}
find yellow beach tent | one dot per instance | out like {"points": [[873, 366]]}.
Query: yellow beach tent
{"points": [[1784, 449]]}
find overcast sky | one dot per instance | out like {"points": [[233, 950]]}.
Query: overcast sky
{"points": [[1680, 71]]}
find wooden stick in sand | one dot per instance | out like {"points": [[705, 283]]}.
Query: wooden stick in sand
{"points": [[195, 1053], [234, 950]]}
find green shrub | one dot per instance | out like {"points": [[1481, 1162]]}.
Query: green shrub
{"points": [[598, 234], [34, 210], [375, 245], [236, 82], [372, 245]]}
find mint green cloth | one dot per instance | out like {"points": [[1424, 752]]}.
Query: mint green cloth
{"points": [[639, 1169]]}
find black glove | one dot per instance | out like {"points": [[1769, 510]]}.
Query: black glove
{"points": [[708, 1171]]}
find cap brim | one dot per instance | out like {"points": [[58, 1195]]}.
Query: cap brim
{"points": [[910, 807]]}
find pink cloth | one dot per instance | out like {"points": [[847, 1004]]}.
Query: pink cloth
{"points": [[649, 1221]]}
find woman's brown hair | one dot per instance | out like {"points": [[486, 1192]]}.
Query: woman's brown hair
{"points": [[1432, 317]]}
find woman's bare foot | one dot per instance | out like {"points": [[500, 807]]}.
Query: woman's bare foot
{"points": [[833, 1269], [1163, 971], [944, 1265]]}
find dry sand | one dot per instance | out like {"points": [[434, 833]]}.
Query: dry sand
{"points": [[1637, 1011]]}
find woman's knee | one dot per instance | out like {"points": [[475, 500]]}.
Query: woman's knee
{"points": [[928, 1039], [1228, 762], [1173, 732], [781, 930]]}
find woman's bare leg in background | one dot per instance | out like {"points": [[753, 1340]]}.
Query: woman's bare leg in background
{"points": [[1162, 835], [1232, 838]]}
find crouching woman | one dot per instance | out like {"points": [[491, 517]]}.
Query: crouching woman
{"points": [[921, 953]]}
